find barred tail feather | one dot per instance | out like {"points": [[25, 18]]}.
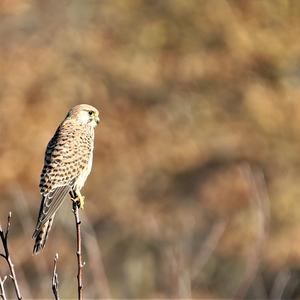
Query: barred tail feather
{"points": [[41, 236]]}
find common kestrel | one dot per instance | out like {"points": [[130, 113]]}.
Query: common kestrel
{"points": [[68, 162]]}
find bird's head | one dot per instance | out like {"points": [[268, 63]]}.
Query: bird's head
{"points": [[84, 114]]}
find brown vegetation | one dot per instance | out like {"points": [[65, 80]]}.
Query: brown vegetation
{"points": [[195, 186]]}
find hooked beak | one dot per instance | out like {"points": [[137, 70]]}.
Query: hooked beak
{"points": [[97, 119]]}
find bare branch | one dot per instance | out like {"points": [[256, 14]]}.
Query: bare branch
{"points": [[55, 279], [260, 201], [6, 256], [8, 224], [80, 264], [179, 276], [2, 290], [209, 246], [280, 284]]}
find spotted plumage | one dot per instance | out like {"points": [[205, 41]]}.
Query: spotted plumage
{"points": [[68, 162]]}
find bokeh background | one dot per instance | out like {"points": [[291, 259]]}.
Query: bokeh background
{"points": [[195, 187]]}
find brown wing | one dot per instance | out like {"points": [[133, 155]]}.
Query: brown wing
{"points": [[65, 159], [50, 204]]}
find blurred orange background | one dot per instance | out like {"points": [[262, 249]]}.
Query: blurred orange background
{"points": [[194, 191]]}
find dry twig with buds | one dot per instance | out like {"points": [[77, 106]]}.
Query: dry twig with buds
{"points": [[7, 257]]}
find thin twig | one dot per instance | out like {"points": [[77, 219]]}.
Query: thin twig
{"points": [[260, 200], [80, 264], [2, 290], [208, 246], [180, 277], [280, 283], [55, 279], [6, 256]]}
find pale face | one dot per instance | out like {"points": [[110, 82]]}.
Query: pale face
{"points": [[90, 117], [85, 114]]}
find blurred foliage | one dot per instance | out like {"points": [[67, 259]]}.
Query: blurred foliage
{"points": [[197, 98]]}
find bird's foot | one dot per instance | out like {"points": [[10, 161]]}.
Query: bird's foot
{"points": [[79, 201]]}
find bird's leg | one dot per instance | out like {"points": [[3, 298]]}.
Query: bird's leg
{"points": [[77, 198], [73, 195], [74, 198]]}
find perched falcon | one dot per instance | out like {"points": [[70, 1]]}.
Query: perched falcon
{"points": [[68, 162]]}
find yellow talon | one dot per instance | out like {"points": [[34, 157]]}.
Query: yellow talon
{"points": [[81, 201]]}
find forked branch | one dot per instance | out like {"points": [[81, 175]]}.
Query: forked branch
{"points": [[7, 257]]}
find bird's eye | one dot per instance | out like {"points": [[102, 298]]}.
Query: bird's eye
{"points": [[91, 112]]}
